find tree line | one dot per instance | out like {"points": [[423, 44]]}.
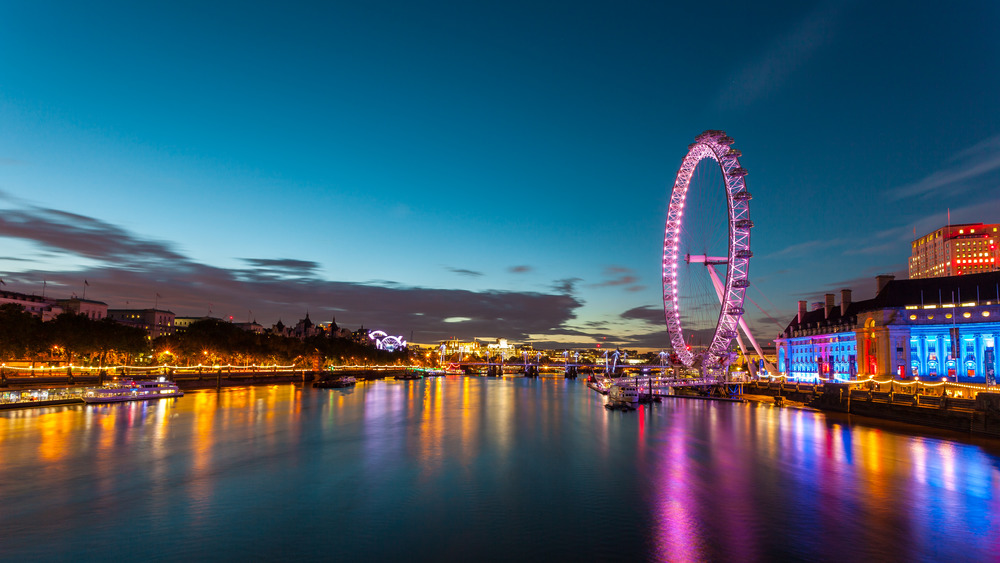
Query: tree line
{"points": [[77, 339]]}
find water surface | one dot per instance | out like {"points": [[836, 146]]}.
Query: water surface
{"points": [[484, 469]]}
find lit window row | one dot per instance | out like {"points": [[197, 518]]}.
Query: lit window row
{"points": [[965, 315]]}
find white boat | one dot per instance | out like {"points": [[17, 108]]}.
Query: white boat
{"points": [[623, 394], [129, 390]]}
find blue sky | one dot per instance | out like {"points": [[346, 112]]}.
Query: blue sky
{"points": [[477, 169]]}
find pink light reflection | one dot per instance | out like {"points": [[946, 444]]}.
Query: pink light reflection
{"points": [[679, 537]]}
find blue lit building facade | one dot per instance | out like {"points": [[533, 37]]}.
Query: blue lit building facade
{"points": [[962, 351], [934, 328]]}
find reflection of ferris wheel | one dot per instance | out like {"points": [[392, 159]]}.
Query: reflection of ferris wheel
{"points": [[694, 243]]}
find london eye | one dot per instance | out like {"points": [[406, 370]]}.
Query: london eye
{"points": [[706, 253]]}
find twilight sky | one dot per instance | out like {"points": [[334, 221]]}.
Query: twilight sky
{"points": [[478, 169]]}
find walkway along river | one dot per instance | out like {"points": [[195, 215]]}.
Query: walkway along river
{"points": [[485, 469]]}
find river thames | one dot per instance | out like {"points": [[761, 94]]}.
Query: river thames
{"points": [[471, 468]]}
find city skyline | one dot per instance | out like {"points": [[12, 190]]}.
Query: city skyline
{"points": [[477, 171]]}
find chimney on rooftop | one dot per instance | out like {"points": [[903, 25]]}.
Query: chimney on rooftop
{"points": [[827, 305], [883, 280], [845, 301], [802, 311]]}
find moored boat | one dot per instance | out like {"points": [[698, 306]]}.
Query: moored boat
{"points": [[129, 390], [336, 383], [619, 406], [620, 393]]}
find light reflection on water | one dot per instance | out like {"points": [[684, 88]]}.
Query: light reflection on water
{"points": [[480, 468]]}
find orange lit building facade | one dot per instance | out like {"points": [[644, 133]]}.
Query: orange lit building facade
{"points": [[955, 250]]}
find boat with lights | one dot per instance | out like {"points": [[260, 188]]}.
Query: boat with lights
{"points": [[623, 394], [130, 390]]}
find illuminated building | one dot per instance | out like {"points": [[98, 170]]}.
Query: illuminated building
{"points": [[156, 322], [332, 330], [955, 250], [500, 348], [182, 323], [305, 328], [95, 310], [449, 347], [932, 328], [252, 326], [47, 309]]}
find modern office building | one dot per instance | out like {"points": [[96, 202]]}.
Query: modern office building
{"points": [[932, 328], [955, 250]]}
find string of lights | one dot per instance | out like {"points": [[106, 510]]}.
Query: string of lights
{"points": [[142, 368], [976, 386]]}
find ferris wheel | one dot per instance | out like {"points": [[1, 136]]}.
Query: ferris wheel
{"points": [[695, 249]]}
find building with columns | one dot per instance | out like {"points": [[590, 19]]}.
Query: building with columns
{"points": [[931, 328]]}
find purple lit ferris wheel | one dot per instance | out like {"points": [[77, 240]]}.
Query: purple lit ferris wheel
{"points": [[705, 234]]}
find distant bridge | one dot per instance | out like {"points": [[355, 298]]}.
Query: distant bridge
{"points": [[529, 366]]}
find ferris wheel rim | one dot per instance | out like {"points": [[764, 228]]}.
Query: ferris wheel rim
{"points": [[715, 145]]}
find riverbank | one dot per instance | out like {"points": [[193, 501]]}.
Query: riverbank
{"points": [[771, 400], [30, 392], [979, 416]]}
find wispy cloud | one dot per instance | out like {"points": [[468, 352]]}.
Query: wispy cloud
{"points": [[806, 247], [773, 68], [464, 272], [133, 269], [961, 174], [651, 315], [619, 276], [565, 286], [519, 269], [862, 287], [279, 268], [85, 236], [282, 264]]}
